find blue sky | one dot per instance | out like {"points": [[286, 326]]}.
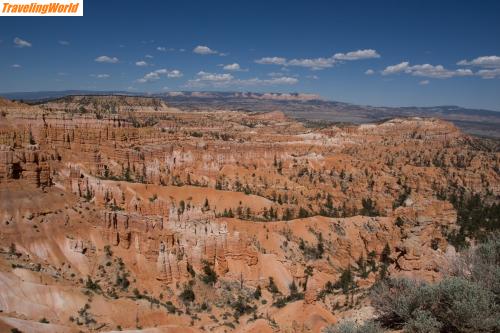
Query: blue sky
{"points": [[366, 52]]}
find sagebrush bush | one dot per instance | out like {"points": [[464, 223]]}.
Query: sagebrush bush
{"points": [[466, 306], [351, 327], [465, 302], [480, 264], [423, 322], [396, 300], [455, 303]]}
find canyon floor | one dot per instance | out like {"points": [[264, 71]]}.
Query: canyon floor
{"points": [[125, 213]]}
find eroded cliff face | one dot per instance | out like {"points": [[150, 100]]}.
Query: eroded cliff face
{"points": [[27, 163], [127, 203]]}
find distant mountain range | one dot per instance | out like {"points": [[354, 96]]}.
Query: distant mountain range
{"points": [[300, 106], [31, 96]]}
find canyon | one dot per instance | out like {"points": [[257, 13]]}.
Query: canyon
{"points": [[128, 213]]}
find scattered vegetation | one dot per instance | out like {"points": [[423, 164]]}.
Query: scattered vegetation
{"points": [[187, 295], [476, 218], [368, 207], [92, 285], [313, 252], [241, 307], [257, 293], [294, 295], [466, 301], [346, 280], [209, 276], [272, 287], [84, 317]]}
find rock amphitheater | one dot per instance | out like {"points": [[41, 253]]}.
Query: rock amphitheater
{"points": [[122, 213]]}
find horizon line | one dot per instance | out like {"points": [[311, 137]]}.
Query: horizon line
{"points": [[151, 94]]}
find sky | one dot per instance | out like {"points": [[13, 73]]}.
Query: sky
{"points": [[384, 53]]}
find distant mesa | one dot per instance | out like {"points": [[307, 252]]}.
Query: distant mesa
{"points": [[302, 106], [273, 115]]}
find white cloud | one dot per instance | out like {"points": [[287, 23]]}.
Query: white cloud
{"points": [[16, 66], [174, 74], [63, 42], [485, 61], [234, 67], [201, 49], [205, 79], [438, 71], [152, 76], [401, 67], [424, 82], [155, 75], [490, 65], [321, 62], [106, 59], [426, 70], [370, 72], [275, 81], [101, 76], [275, 74], [141, 63], [489, 73], [312, 77], [357, 55], [149, 56], [271, 61], [204, 76], [21, 42], [165, 49], [314, 64]]}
